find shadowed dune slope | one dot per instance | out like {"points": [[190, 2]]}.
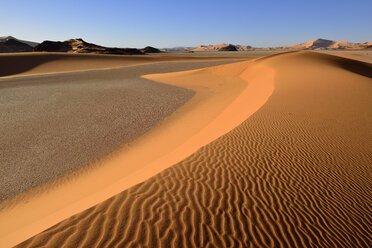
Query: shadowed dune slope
{"points": [[297, 173], [23, 64], [365, 57]]}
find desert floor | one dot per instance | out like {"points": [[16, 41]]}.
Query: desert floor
{"points": [[270, 152]]}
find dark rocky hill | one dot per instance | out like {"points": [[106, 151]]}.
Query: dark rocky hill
{"points": [[81, 46], [228, 48], [150, 49], [13, 45]]}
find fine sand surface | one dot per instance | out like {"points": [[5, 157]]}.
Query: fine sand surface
{"points": [[295, 173]]}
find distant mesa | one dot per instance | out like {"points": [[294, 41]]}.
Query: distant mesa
{"points": [[11, 45], [150, 49], [80, 46]]}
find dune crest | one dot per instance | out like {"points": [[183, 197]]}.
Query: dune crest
{"points": [[38, 63], [294, 174], [213, 111]]}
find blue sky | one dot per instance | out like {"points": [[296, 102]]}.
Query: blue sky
{"points": [[165, 23]]}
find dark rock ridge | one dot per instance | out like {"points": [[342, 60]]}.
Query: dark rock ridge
{"points": [[12, 46], [53, 46], [30, 43], [150, 49], [80, 46], [228, 48]]}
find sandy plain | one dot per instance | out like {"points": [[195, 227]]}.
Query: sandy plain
{"points": [[273, 152]]}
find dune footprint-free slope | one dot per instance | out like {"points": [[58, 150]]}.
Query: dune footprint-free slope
{"points": [[297, 173]]}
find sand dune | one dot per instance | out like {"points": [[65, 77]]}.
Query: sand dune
{"points": [[26, 64], [85, 190], [73, 119], [143, 158], [363, 58], [329, 44], [294, 174]]}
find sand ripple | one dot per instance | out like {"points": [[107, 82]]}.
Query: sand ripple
{"points": [[297, 173]]}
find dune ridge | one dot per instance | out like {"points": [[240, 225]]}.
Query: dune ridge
{"points": [[294, 174], [363, 58], [37, 63], [218, 93]]}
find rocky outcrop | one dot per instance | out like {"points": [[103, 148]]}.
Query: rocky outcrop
{"points": [[30, 43], [150, 49], [228, 48], [220, 47], [53, 46], [13, 46], [80, 46]]}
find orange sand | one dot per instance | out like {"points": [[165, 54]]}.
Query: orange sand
{"points": [[208, 115], [296, 173]]}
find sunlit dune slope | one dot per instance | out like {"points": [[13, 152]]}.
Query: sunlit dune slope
{"points": [[297, 173]]}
